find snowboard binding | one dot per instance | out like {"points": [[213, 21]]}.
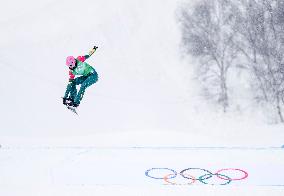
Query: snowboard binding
{"points": [[69, 103]]}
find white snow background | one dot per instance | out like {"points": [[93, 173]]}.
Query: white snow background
{"points": [[144, 112]]}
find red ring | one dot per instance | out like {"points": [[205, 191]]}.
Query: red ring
{"points": [[245, 176]]}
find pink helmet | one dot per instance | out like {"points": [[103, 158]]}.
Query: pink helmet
{"points": [[70, 62]]}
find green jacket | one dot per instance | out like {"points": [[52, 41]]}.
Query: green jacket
{"points": [[82, 68]]}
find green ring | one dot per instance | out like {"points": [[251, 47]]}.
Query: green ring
{"points": [[201, 179]]}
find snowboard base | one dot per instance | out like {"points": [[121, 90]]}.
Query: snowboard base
{"points": [[72, 109]]}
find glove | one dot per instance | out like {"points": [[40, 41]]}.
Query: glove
{"points": [[93, 50]]}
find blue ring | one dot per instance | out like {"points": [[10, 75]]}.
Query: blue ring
{"points": [[174, 173]]}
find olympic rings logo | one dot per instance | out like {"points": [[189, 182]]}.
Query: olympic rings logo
{"points": [[192, 175]]}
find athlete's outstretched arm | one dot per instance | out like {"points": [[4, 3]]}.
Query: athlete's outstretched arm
{"points": [[85, 57]]}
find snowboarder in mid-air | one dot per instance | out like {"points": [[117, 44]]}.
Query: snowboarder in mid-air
{"points": [[87, 76]]}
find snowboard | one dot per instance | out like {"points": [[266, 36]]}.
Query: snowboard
{"points": [[71, 108]]}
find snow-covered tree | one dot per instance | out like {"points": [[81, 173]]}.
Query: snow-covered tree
{"points": [[207, 35], [260, 39]]}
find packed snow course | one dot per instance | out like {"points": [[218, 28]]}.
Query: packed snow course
{"points": [[256, 170]]}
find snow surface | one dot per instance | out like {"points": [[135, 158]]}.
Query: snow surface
{"points": [[122, 171], [144, 112]]}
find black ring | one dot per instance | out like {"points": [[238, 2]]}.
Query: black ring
{"points": [[210, 173]]}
